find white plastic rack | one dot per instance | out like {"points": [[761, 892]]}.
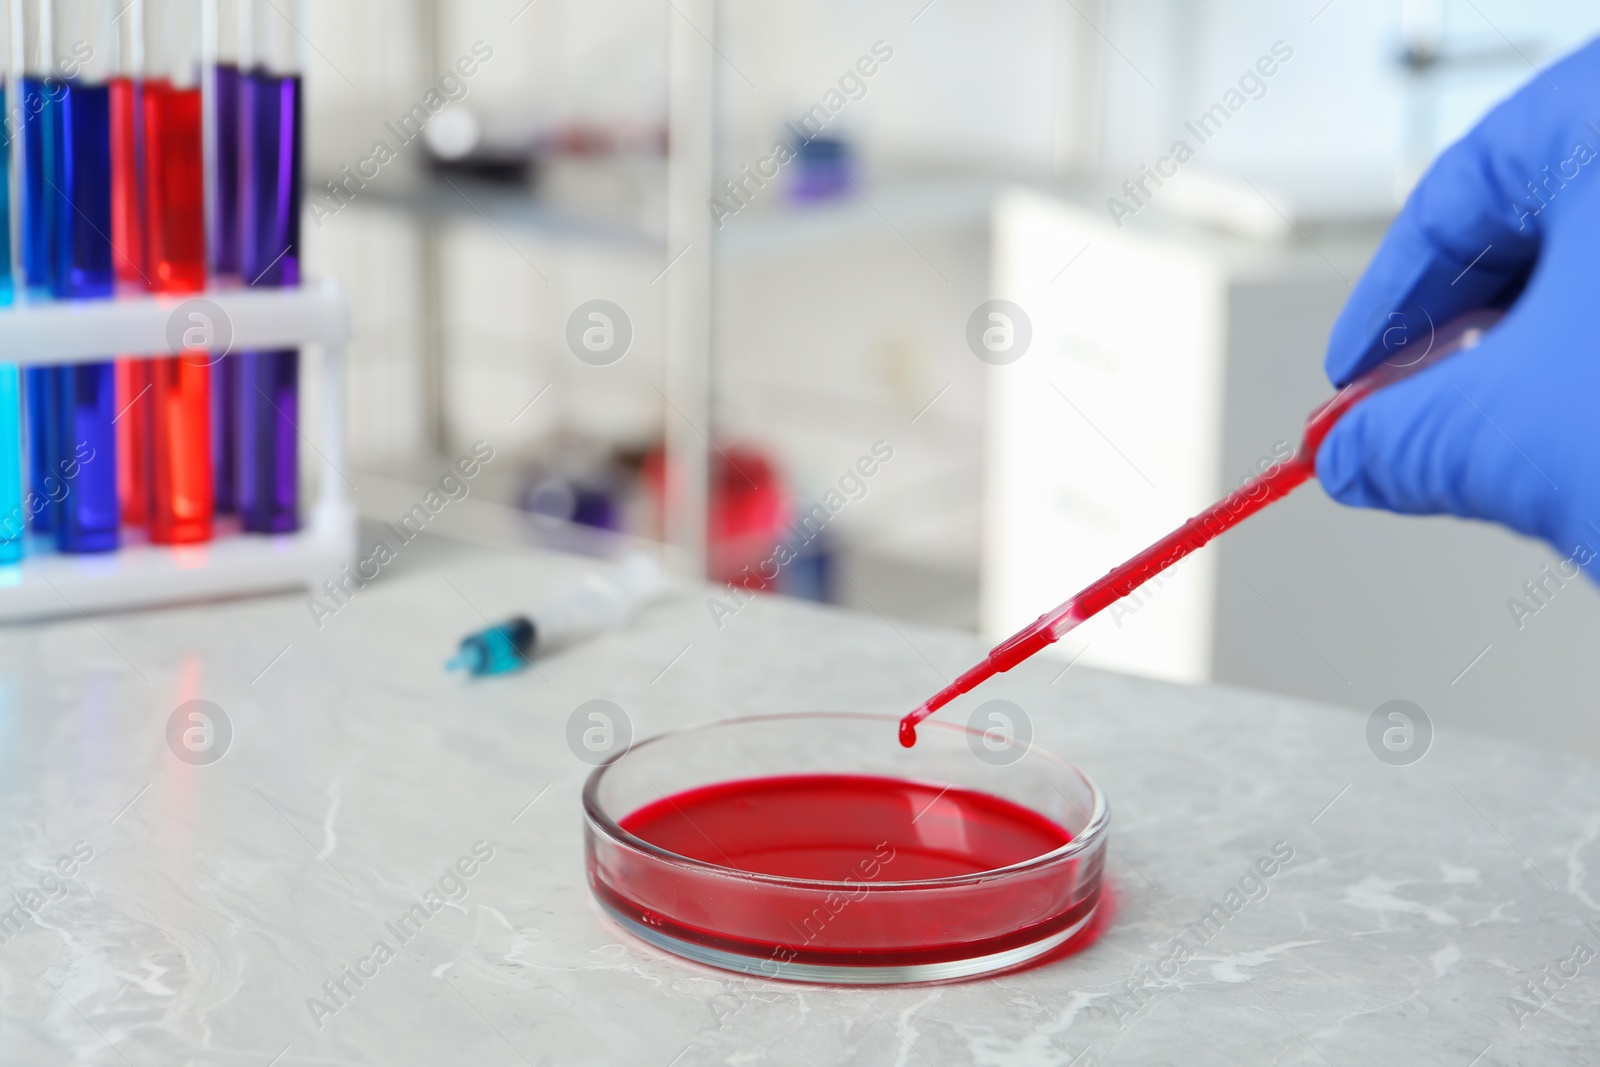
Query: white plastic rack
{"points": [[50, 584]]}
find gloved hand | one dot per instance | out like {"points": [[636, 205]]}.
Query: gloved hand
{"points": [[1508, 431]]}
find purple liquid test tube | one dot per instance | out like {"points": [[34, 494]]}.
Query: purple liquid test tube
{"points": [[224, 244], [269, 254]]}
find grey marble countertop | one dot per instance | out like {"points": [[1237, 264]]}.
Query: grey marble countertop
{"points": [[181, 913]]}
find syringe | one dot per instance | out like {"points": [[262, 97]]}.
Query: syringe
{"points": [[574, 609]]}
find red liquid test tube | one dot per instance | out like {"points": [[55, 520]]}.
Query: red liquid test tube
{"points": [[129, 262], [174, 183]]}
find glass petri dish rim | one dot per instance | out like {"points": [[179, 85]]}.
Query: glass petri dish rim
{"points": [[1093, 833]]}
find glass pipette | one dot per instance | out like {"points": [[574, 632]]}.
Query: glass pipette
{"points": [[1276, 482]]}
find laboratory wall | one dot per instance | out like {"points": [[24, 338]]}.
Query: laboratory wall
{"points": [[840, 314]]}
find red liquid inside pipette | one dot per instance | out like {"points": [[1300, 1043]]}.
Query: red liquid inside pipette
{"points": [[1238, 505]]}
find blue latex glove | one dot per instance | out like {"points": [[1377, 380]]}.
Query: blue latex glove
{"points": [[1508, 431]]}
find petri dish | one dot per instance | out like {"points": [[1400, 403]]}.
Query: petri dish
{"points": [[812, 847]]}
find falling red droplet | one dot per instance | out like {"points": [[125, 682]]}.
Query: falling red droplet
{"points": [[908, 732]]}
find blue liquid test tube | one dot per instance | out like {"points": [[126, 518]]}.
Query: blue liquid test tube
{"points": [[37, 226], [79, 111], [13, 524], [37, 86]]}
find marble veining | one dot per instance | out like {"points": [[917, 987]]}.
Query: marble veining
{"points": [[1430, 914]]}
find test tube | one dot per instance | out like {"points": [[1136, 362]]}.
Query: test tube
{"points": [[129, 256], [36, 223], [10, 129], [84, 37], [226, 29], [12, 523], [85, 50], [31, 24], [227, 32], [125, 89], [269, 255], [180, 419]]}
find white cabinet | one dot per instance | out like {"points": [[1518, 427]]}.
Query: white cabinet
{"points": [[1105, 434], [1137, 404]]}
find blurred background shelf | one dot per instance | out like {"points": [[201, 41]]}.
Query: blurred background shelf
{"points": [[837, 320], [459, 197]]}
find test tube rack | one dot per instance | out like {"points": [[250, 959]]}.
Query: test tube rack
{"points": [[52, 585]]}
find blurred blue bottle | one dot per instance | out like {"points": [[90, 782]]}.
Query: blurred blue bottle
{"points": [[80, 128], [823, 169]]}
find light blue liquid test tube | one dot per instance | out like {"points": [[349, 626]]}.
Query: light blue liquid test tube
{"points": [[12, 522]]}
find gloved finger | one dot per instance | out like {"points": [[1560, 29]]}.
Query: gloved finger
{"points": [[1471, 231], [1438, 443]]}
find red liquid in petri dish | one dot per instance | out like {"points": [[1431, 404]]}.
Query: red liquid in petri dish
{"points": [[867, 831]]}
